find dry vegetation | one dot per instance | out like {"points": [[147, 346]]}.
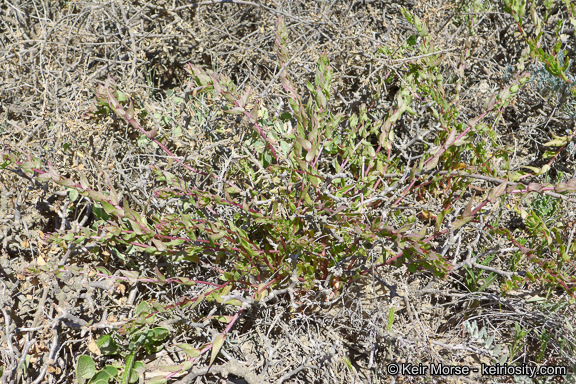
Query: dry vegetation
{"points": [[483, 271]]}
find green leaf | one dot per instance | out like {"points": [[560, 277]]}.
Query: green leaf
{"points": [[105, 375], [107, 345], [304, 143], [235, 110], [100, 214], [233, 190], [143, 307], [138, 367], [111, 370], [85, 368], [132, 277], [128, 367], [120, 96], [108, 208], [235, 302], [189, 350], [548, 154], [84, 181], [558, 141], [390, 318], [142, 141], [460, 222], [216, 345], [160, 333], [72, 194]]}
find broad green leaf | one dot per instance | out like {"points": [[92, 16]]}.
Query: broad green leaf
{"points": [[85, 368], [304, 143], [107, 345], [111, 370], [138, 367], [72, 194], [143, 307], [160, 333]]}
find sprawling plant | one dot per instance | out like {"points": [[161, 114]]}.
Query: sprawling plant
{"points": [[317, 202]]}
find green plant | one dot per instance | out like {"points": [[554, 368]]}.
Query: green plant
{"points": [[479, 335], [476, 280], [519, 334], [316, 192], [142, 339]]}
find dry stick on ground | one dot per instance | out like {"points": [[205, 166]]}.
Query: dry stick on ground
{"points": [[132, 39], [241, 2], [462, 174], [226, 369]]}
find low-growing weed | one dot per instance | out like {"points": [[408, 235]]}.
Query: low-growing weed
{"points": [[314, 191]]}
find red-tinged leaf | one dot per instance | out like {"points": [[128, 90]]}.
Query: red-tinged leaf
{"points": [[304, 143], [235, 111], [27, 166], [113, 195], [288, 87], [217, 86], [244, 98], [414, 235], [254, 113], [112, 100], [132, 276], [468, 209], [562, 187], [310, 155], [321, 98], [135, 226], [130, 111], [190, 350], [186, 281], [159, 245], [67, 183], [84, 181], [313, 135], [43, 177], [95, 195], [534, 187], [496, 192], [458, 223], [160, 275], [53, 174], [216, 345], [572, 182], [228, 96], [433, 162], [451, 138], [152, 134]]}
